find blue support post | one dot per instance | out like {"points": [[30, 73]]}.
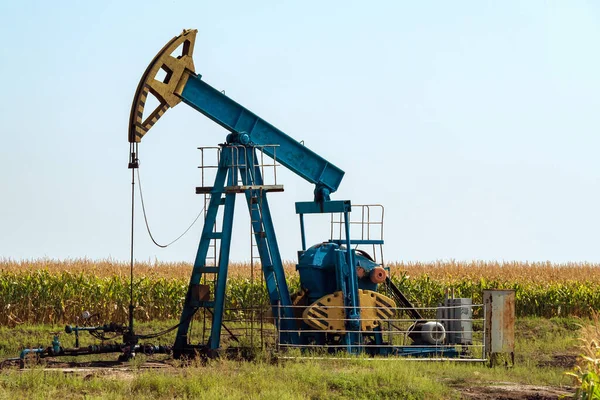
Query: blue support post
{"points": [[351, 298], [215, 336], [340, 272], [190, 307], [266, 241], [288, 323], [346, 279], [302, 233]]}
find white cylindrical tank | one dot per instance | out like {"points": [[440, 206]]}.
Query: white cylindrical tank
{"points": [[433, 332]]}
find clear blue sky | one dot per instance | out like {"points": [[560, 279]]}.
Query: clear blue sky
{"points": [[475, 123]]}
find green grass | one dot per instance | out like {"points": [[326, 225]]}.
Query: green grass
{"points": [[294, 380], [235, 380], [539, 342]]}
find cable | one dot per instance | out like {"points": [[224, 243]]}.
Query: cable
{"points": [[161, 333], [135, 162], [100, 336], [146, 218]]}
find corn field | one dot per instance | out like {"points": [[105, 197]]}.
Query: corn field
{"points": [[53, 292]]}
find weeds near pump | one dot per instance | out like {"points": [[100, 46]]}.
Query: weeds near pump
{"points": [[587, 373]]}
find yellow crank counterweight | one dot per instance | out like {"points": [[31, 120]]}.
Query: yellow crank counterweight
{"points": [[328, 313]]}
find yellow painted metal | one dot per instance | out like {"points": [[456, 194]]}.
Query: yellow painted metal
{"points": [[328, 313], [176, 69]]}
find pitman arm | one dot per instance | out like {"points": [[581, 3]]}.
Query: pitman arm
{"points": [[182, 84]]}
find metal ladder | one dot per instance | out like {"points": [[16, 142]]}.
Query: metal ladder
{"points": [[233, 165]]}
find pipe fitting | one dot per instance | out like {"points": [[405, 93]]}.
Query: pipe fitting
{"points": [[378, 275]]}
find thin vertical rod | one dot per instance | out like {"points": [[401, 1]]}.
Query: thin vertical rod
{"points": [[302, 233], [133, 151]]}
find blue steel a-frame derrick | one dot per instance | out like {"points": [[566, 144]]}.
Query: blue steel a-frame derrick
{"points": [[236, 165]]}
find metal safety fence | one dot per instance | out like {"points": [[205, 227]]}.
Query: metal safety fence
{"points": [[447, 332]]}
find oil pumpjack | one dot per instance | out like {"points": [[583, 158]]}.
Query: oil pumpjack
{"points": [[346, 299], [341, 308]]}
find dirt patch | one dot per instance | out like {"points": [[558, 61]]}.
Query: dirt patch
{"points": [[104, 369], [510, 391], [564, 361], [92, 369], [104, 365]]}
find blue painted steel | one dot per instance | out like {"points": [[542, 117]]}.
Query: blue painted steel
{"points": [[266, 240], [215, 333], [320, 274], [334, 206], [56, 344], [419, 351], [324, 269], [351, 296], [237, 119], [356, 241], [313, 207], [302, 232], [231, 165], [189, 307], [211, 217], [24, 352], [342, 269]]}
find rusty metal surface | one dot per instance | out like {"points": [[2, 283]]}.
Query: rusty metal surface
{"points": [[201, 292], [499, 321]]}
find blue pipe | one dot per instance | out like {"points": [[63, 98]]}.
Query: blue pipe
{"points": [[24, 352]]}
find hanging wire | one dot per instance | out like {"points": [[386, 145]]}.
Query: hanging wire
{"points": [[135, 166], [146, 218]]}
